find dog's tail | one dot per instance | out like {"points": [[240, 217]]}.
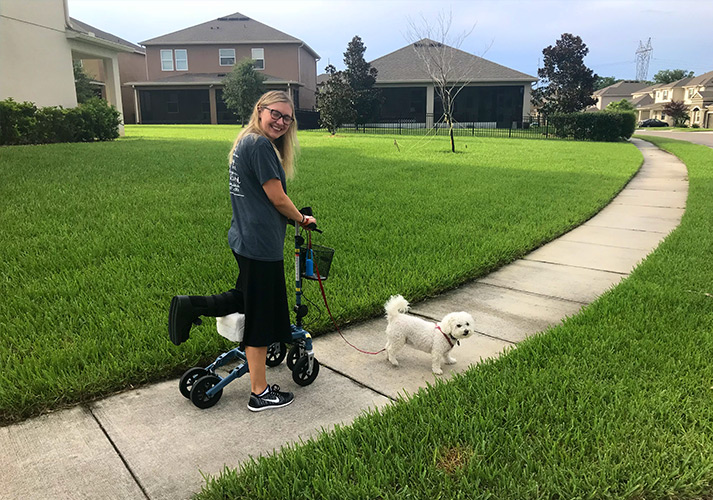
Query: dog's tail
{"points": [[395, 305]]}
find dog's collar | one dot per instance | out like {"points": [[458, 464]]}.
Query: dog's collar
{"points": [[447, 337]]}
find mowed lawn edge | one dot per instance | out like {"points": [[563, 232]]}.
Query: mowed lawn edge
{"points": [[96, 238], [614, 403]]}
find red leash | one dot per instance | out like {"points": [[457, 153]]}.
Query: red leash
{"points": [[324, 296]]}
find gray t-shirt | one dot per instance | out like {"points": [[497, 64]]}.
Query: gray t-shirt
{"points": [[257, 230]]}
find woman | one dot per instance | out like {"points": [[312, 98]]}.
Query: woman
{"points": [[262, 158]]}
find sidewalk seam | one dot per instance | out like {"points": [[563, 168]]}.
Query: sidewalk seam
{"points": [[118, 452], [361, 384], [555, 297], [429, 318], [578, 267]]}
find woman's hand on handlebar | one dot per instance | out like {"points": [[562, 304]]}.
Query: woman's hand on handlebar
{"points": [[308, 221]]}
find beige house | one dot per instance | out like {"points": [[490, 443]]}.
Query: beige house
{"points": [[698, 96], [614, 93], [186, 69], [38, 43]]}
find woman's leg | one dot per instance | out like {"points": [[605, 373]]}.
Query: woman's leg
{"points": [[256, 365]]}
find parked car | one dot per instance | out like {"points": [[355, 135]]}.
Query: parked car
{"points": [[653, 122]]}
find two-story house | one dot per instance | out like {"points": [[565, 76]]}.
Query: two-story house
{"points": [[698, 96], [186, 69], [695, 92]]}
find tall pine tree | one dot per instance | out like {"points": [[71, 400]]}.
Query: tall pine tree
{"points": [[361, 78]]}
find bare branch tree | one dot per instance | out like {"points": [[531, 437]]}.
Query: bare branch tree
{"points": [[449, 68]]}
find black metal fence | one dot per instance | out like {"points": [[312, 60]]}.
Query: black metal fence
{"points": [[529, 127]]}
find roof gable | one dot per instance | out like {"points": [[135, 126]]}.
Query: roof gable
{"points": [[404, 65], [232, 29]]}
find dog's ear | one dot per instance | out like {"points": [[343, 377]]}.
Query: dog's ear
{"points": [[448, 323]]}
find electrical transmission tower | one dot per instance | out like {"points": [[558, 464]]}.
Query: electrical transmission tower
{"points": [[643, 56]]}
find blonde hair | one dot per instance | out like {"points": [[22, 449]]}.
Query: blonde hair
{"points": [[285, 146]]}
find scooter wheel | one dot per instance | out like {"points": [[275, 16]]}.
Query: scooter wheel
{"points": [[293, 356], [275, 354], [299, 373], [189, 378], [201, 387]]}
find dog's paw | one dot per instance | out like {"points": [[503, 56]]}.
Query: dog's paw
{"points": [[450, 361], [437, 371], [393, 361]]}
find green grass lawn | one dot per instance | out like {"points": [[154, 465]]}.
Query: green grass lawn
{"points": [[96, 238], [617, 402]]}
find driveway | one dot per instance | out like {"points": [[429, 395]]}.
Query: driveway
{"points": [[704, 138]]}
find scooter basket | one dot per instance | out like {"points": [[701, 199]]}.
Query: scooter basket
{"points": [[322, 258]]}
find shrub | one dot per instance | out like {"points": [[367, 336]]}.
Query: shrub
{"points": [[17, 120], [24, 123], [601, 126], [51, 125]]}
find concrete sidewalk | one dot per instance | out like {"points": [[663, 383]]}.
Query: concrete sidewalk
{"points": [[153, 443]]}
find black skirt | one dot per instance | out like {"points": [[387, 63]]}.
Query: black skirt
{"points": [[264, 296]]}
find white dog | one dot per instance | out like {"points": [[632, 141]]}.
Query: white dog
{"points": [[438, 339]]}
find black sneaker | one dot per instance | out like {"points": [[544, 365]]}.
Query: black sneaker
{"points": [[273, 398], [180, 319]]}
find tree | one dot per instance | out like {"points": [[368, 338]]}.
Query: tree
{"points": [[438, 52], [566, 84], [243, 87], [82, 84], [604, 81], [671, 75], [361, 78], [335, 100], [678, 111], [623, 105]]}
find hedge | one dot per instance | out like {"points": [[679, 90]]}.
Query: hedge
{"points": [[25, 123], [600, 126]]}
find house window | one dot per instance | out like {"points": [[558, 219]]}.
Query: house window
{"points": [[258, 56], [665, 94], [181, 59], [172, 102], [227, 57], [690, 93], [167, 60]]}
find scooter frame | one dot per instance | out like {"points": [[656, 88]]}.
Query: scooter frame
{"points": [[204, 387]]}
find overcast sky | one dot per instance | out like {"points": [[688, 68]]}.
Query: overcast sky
{"points": [[508, 32]]}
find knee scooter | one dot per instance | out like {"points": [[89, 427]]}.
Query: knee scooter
{"points": [[204, 387]]}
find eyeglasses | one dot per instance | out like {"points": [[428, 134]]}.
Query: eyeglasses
{"points": [[276, 115]]}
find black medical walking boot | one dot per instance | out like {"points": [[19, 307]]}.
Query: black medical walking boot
{"points": [[185, 311]]}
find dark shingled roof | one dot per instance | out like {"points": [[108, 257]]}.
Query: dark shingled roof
{"points": [[704, 80], [624, 89], [404, 65], [232, 29], [87, 29]]}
